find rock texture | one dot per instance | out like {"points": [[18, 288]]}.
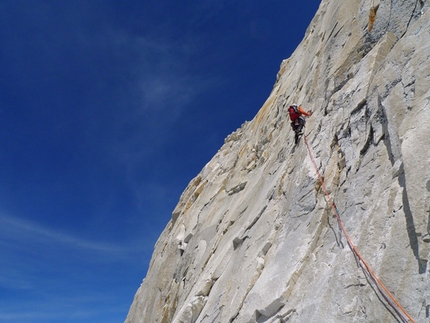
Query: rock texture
{"points": [[253, 238]]}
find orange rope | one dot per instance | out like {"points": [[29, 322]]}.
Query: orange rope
{"points": [[351, 245]]}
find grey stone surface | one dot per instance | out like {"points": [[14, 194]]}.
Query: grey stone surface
{"points": [[253, 238]]}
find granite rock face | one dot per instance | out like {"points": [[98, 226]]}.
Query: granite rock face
{"points": [[253, 238]]}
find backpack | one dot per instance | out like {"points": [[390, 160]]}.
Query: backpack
{"points": [[294, 112]]}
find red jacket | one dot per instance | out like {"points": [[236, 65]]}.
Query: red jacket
{"points": [[294, 115]]}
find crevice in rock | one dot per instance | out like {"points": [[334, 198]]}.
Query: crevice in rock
{"points": [[386, 135], [355, 285], [337, 32], [265, 249], [389, 16], [271, 194], [368, 142], [383, 299], [389, 87], [256, 219], [232, 319], [271, 310], [180, 274], [427, 239], [332, 31], [250, 287], [340, 84], [207, 287], [413, 14], [380, 115], [359, 106], [338, 235], [410, 226], [237, 242], [422, 6]]}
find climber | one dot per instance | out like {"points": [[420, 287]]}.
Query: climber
{"points": [[297, 119]]}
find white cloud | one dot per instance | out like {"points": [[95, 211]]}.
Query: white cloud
{"points": [[54, 275], [59, 309], [25, 235], [166, 83]]}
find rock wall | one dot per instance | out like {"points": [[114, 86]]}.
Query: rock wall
{"points": [[253, 238]]}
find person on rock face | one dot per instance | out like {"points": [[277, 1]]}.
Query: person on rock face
{"points": [[297, 119]]}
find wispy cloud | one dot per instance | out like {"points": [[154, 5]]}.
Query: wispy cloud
{"points": [[166, 81], [56, 310], [169, 78], [49, 275], [25, 233]]}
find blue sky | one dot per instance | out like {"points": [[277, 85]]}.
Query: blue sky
{"points": [[107, 110]]}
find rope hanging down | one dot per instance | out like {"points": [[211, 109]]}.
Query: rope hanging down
{"points": [[363, 264]]}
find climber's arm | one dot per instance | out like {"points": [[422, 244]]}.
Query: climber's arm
{"points": [[302, 111]]}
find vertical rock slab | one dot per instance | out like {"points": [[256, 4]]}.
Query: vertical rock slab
{"points": [[253, 238]]}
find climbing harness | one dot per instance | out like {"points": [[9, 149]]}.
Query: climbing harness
{"points": [[363, 264]]}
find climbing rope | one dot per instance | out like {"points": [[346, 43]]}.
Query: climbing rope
{"points": [[381, 287]]}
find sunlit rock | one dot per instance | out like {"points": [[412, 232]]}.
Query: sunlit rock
{"points": [[253, 237]]}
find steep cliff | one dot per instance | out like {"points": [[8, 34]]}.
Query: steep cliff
{"points": [[253, 237]]}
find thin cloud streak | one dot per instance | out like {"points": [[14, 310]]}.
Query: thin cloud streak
{"points": [[18, 232], [43, 268], [59, 309]]}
